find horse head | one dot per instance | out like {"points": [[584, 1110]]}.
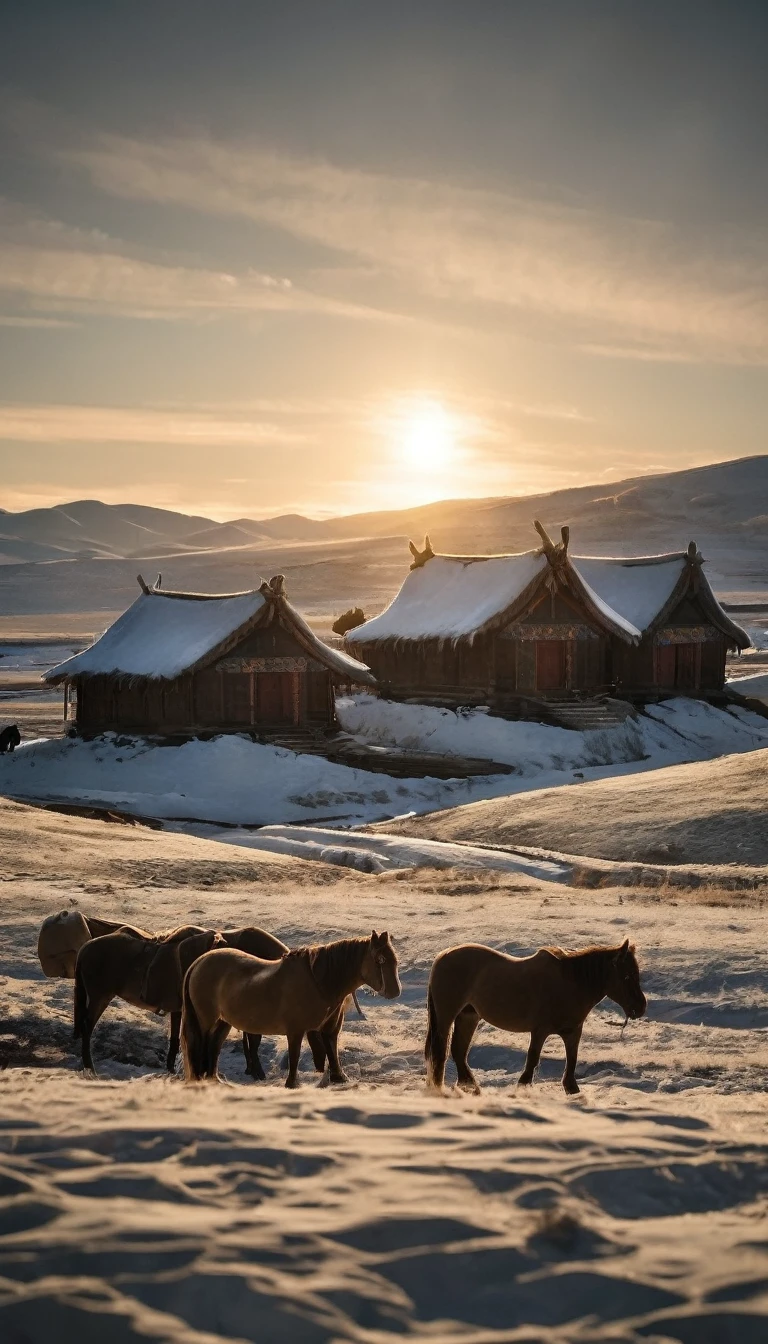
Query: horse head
{"points": [[624, 981], [379, 968]]}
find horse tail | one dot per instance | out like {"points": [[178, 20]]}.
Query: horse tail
{"points": [[192, 1042], [80, 1001], [434, 1047]]}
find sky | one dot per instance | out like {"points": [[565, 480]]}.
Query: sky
{"points": [[328, 257]]}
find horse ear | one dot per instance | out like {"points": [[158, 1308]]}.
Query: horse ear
{"points": [[623, 950]]}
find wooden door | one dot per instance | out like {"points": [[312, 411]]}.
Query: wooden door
{"points": [[665, 664], [274, 697], [237, 697], [685, 667], [550, 664]]}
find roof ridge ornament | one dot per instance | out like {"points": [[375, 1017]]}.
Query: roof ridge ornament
{"points": [[556, 552], [420, 558]]}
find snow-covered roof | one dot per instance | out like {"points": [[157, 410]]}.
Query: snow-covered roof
{"points": [[164, 634], [451, 596], [630, 592]]}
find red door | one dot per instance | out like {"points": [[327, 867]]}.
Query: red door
{"points": [[274, 697], [550, 664]]}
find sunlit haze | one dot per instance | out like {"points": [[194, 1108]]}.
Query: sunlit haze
{"points": [[331, 258]]}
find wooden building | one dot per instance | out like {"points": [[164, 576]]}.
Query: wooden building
{"points": [[506, 630], [190, 662]]}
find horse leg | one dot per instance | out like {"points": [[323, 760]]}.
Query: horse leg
{"points": [[329, 1033], [571, 1042], [316, 1043], [436, 1046], [538, 1037], [173, 1041], [90, 1016], [213, 1043], [251, 1043], [464, 1029], [294, 1051]]}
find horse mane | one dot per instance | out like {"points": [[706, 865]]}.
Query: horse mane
{"points": [[586, 965], [332, 965]]}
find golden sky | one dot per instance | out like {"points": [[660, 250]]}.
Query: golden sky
{"points": [[330, 259]]}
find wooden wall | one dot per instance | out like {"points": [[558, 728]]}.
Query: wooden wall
{"points": [[265, 682], [552, 650]]}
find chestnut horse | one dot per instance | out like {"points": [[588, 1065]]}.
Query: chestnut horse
{"points": [[548, 994], [305, 991]]}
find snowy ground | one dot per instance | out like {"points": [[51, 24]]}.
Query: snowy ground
{"points": [[234, 780], [134, 1208]]}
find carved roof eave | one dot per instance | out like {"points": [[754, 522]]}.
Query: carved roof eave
{"points": [[693, 580]]}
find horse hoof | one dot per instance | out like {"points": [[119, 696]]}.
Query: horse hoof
{"points": [[338, 1078], [571, 1089]]}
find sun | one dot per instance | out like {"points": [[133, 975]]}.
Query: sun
{"points": [[428, 436]]}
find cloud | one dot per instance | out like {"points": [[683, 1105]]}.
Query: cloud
{"points": [[56, 268], [625, 286], [16, 320], [110, 424]]}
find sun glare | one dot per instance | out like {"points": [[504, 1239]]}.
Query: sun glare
{"points": [[428, 436]]}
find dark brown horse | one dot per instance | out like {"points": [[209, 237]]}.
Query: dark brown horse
{"points": [[145, 971], [305, 991], [148, 971], [548, 994]]}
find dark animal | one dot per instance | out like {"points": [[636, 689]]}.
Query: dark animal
{"points": [[9, 739], [349, 620], [306, 990], [144, 971], [148, 971], [548, 994]]}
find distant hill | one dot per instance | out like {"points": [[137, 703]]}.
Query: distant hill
{"points": [[361, 558]]}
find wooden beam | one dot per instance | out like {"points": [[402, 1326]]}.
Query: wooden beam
{"points": [[548, 543]]}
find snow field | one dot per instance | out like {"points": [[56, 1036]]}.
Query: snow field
{"points": [[233, 780]]}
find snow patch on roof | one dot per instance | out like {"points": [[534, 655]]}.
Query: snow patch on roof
{"points": [[162, 635], [451, 596], [630, 592]]}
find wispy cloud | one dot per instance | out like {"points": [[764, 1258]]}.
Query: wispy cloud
{"points": [[624, 286], [110, 424], [17, 320], [59, 269]]}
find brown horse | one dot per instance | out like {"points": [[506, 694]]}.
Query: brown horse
{"points": [[148, 971], [63, 934], [548, 994], [305, 991]]}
